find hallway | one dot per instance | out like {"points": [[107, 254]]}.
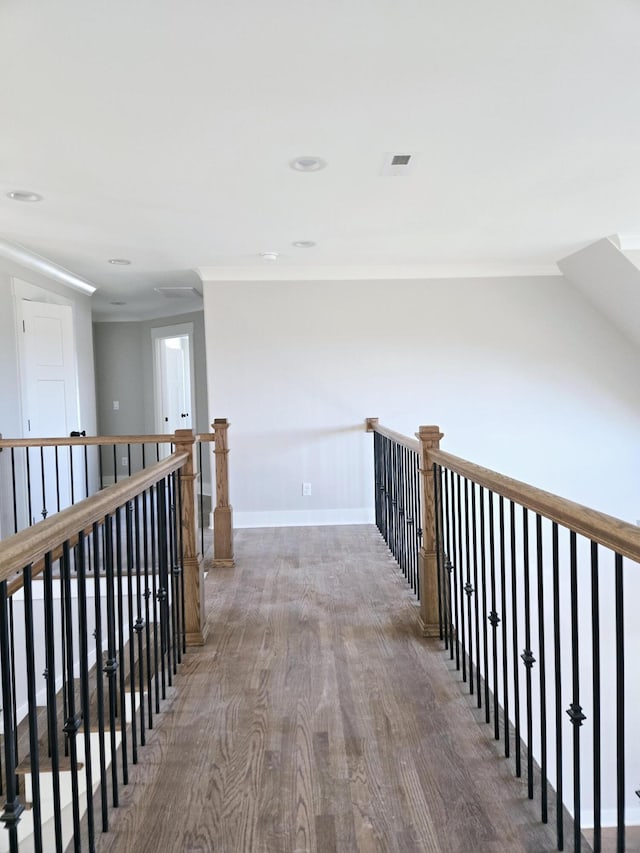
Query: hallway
{"points": [[317, 719]]}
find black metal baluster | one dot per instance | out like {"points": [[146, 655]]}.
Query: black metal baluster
{"points": [[514, 635], [162, 582], [29, 506], [84, 682], [56, 456], [527, 655], [32, 701], [201, 499], [456, 568], [73, 497], [542, 671], [131, 630], [97, 602], [63, 657], [461, 620], [111, 665], [115, 464], [14, 692], [52, 710], [172, 603], [155, 562], [183, 630], [575, 709], [485, 618], [86, 471], [13, 490], [139, 623], [417, 514], [448, 563], [620, 721], [595, 645], [494, 619], [503, 606], [468, 587], [44, 511], [100, 469], [476, 603], [72, 722], [558, 683], [437, 473], [147, 593], [128, 460], [122, 709], [13, 808]]}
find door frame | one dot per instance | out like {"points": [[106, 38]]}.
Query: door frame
{"points": [[159, 333]]}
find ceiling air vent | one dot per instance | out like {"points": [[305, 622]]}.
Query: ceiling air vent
{"points": [[398, 163], [177, 292]]}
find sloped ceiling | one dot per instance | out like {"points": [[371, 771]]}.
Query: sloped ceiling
{"points": [[161, 132], [610, 281]]}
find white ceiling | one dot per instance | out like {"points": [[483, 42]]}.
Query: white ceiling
{"points": [[162, 131]]}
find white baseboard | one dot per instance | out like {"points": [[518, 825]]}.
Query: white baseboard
{"points": [[303, 517]]}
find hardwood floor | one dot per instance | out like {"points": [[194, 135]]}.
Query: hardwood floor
{"points": [[317, 719]]}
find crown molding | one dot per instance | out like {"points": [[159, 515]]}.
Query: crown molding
{"points": [[348, 272], [26, 258]]}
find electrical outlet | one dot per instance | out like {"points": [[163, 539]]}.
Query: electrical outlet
{"points": [[116, 405], [306, 490], [125, 461]]}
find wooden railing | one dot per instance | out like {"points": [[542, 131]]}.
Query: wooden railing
{"points": [[120, 596], [513, 578], [41, 476], [119, 569]]}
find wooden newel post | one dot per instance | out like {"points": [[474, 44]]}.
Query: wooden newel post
{"points": [[195, 625], [222, 514], [429, 437]]}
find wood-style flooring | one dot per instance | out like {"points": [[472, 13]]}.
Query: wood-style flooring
{"points": [[317, 719]]}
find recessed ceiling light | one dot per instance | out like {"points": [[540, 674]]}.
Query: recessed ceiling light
{"points": [[303, 244], [24, 195], [269, 256], [119, 262], [118, 302], [308, 164]]}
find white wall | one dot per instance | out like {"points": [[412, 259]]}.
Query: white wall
{"points": [[522, 375]]}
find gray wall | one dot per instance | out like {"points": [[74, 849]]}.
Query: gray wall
{"points": [[124, 372]]}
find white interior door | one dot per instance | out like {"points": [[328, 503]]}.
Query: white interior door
{"points": [[174, 378], [49, 398]]}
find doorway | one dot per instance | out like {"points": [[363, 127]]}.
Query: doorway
{"points": [[174, 386], [49, 403]]}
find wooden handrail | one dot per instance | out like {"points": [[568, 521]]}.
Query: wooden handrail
{"points": [[606, 530], [404, 440], [620, 536], [98, 440], [30, 545], [88, 440]]}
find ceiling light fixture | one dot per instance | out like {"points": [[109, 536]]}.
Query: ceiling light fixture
{"points": [[24, 195], [269, 256], [303, 244], [119, 262], [308, 164]]}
